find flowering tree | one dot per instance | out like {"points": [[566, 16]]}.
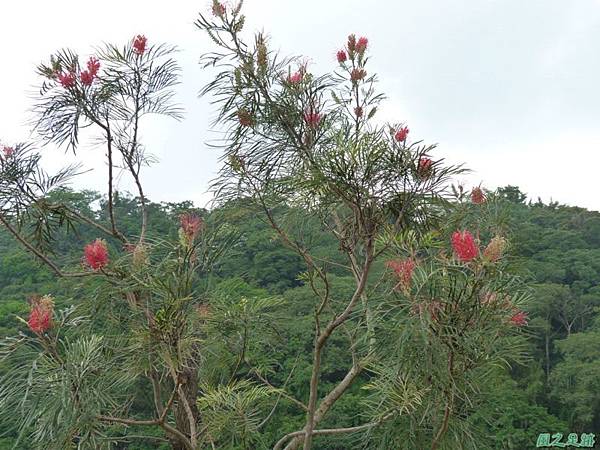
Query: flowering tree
{"points": [[312, 142], [150, 328]]}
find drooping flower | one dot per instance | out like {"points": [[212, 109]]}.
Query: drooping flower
{"points": [[401, 134], [361, 45], [191, 224], [93, 66], [218, 9], [244, 117], [495, 249], [86, 78], [312, 118], [296, 77], [66, 79], [477, 196], [96, 254], [464, 245], [139, 44], [519, 318], [40, 315], [341, 56], [404, 271], [357, 74], [425, 167], [358, 111]]}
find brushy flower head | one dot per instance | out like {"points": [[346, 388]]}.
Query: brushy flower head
{"points": [[96, 254], [341, 56], [519, 319], [66, 79], [218, 9], [361, 45], [477, 196], [86, 78], [358, 74], [352, 43], [93, 66], [464, 246], [495, 249], [139, 44], [312, 118], [401, 134], [7, 151], [191, 225], [296, 77], [40, 315], [404, 271], [244, 117], [358, 111], [425, 167]]}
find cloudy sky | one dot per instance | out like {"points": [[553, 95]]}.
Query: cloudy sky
{"points": [[508, 86]]}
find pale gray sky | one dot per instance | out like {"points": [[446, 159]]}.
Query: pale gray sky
{"points": [[508, 86]]}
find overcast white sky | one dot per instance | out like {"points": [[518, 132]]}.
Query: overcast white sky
{"points": [[508, 86]]}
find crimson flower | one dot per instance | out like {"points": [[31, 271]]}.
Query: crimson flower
{"points": [[295, 78], [66, 79], [218, 9], [244, 117], [96, 254], [351, 43], [361, 45], [477, 196], [40, 316], [403, 270], [519, 319], [401, 134], [312, 118], [93, 66], [341, 56], [191, 224], [425, 167], [358, 111], [464, 246], [86, 78], [358, 74], [139, 44], [8, 151]]}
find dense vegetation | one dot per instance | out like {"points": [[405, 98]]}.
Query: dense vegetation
{"points": [[556, 248]]}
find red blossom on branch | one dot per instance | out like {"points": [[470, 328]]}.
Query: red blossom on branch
{"points": [[191, 224], [218, 9], [312, 118], [40, 316], [358, 74], [351, 43], [401, 134], [519, 319], [93, 66], [244, 117], [86, 78], [477, 196], [296, 77], [361, 45], [96, 254], [358, 111], [464, 246], [66, 79], [341, 56], [404, 271], [425, 167], [7, 151], [139, 44]]}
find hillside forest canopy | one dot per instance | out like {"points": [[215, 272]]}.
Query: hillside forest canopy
{"points": [[342, 292]]}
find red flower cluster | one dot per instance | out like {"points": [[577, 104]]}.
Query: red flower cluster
{"points": [[425, 166], [477, 196], [519, 319], [464, 246], [139, 44], [66, 79], [361, 45], [341, 56], [8, 151], [312, 118], [296, 77], [87, 76], [244, 117], [358, 74], [401, 134], [358, 111], [96, 254], [218, 9], [404, 271], [191, 225], [40, 316]]}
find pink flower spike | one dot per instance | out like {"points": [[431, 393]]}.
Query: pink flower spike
{"points": [[8, 151], [477, 196], [403, 270], [295, 78], [218, 9], [96, 254], [86, 78], [464, 246], [341, 56], [40, 316], [139, 44], [401, 134], [425, 167], [66, 79], [519, 319], [312, 118], [361, 45], [93, 66], [191, 225]]}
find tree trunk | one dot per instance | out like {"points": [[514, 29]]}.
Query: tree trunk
{"points": [[189, 385]]}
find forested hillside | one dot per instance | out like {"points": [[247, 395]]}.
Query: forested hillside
{"points": [[554, 248]]}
